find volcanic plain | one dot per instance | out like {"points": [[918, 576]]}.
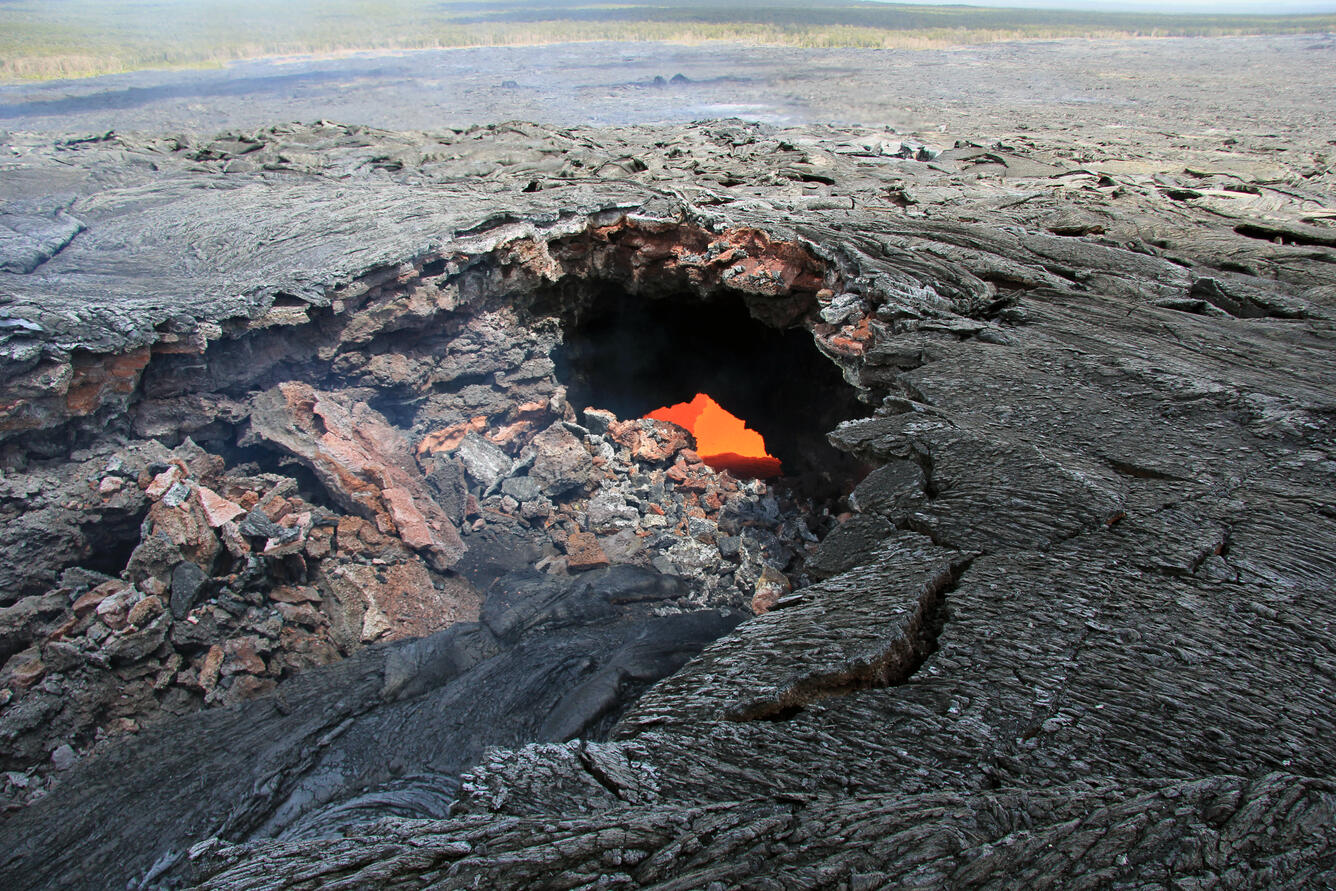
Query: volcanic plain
{"points": [[338, 550]]}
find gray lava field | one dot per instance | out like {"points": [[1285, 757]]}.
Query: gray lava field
{"points": [[336, 550]]}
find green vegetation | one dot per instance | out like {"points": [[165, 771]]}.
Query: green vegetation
{"points": [[42, 39]]}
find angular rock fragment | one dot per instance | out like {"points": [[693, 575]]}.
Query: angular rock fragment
{"points": [[363, 461], [561, 462], [486, 464], [187, 580], [583, 551], [217, 509]]}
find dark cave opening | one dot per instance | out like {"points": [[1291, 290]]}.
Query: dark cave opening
{"points": [[631, 354], [111, 541]]}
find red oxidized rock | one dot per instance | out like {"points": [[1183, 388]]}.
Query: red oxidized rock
{"points": [[398, 600], [301, 614], [247, 686], [695, 484], [298, 649], [90, 601], [365, 463], [584, 552], [242, 656], [294, 594], [164, 481], [217, 509], [145, 611], [355, 537], [448, 438], [210, 668], [185, 527], [320, 542], [99, 379], [848, 340], [508, 433], [770, 587], [649, 440]]}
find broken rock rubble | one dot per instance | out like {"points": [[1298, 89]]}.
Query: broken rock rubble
{"points": [[235, 581], [238, 578], [637, 493]]}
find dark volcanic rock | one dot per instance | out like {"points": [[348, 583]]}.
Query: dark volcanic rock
{"points": [[385, 732], [187, 579], [1077, 629], [27, 240]]}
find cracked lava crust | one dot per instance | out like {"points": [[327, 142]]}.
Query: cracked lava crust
{"points": [[1031, 579]]}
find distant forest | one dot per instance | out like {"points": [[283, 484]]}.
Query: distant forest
{"points": [[43, 39]]}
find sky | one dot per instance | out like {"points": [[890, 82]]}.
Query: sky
{"points": [[1278, 7]]}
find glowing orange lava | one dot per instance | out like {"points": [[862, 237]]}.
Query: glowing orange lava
{"points": [[722, 440]]}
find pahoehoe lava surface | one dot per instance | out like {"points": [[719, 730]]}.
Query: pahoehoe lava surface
{"points": [[1077, 627]]}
